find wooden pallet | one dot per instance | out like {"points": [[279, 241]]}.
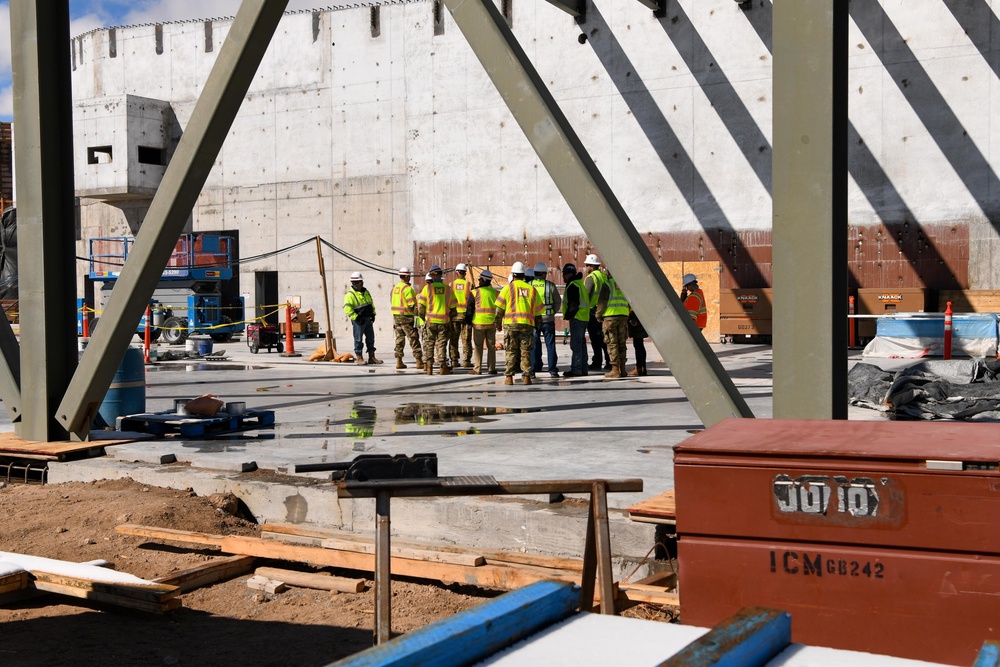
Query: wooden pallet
{"points": [[658, 509], [194, 426], [13, 447]]}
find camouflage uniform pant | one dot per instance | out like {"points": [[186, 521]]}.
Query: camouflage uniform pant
{"points": [[517, 342], [403, 326], [460, 331], [615, 335], [436, 343]]}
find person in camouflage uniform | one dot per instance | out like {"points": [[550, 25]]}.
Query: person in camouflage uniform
{"points": [[519, 312], [436, 306], [614, 322], [404, 304]]}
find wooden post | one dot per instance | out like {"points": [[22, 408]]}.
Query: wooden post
{"points": [[331, 345]]}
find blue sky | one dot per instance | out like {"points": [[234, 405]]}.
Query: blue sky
{"points": [[86, 15]]}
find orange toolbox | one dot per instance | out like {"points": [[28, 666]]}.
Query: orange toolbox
{"points": [[876, 536]]}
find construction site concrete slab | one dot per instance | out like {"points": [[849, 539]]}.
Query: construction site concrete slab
{"points": [[556, 428]]}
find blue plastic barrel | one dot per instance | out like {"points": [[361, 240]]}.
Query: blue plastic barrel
{"points": [[204, 345], [127, 394]]}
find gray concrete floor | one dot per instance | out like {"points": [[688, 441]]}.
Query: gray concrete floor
{"points": [[580, 428]]}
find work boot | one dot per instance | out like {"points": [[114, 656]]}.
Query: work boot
{"points": [[613, 373], [526, 379], [642, 369], [372, 360], [507, 379], [492, 371], [429, 368], [360, 361], [634, 372], [420, 365], [446, 370], [399, 364]]}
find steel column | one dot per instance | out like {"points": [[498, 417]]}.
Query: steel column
{"points": [[43, 134], [185, 176], [810, 209], [697, 369]]}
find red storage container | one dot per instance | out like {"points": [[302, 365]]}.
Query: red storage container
{"points": [[876, 536]]}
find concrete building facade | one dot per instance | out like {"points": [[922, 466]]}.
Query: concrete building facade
{"points": [[375, 127]]}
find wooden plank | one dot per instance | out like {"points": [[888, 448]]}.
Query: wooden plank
{"points": [[318, 580], [269, 586], [314, 536], [658, 509], [499, 577], [108, 598], [476, 633], [15, 581], [156, 593], [662, 597], [970, 301], [211, 572], [472, 560], [12, 445], [665, 579]]}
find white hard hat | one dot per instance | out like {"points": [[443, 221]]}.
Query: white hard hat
{"points": [[405, 271], [517, 268], [592, 260], [460, 267], [356, 276], [540, 268], [688, 279]]}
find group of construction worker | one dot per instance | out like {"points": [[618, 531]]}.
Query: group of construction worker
{"points": [[460, 313]]}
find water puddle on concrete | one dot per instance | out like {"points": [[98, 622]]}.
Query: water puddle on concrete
{"points": [[426, 414], [203, 367]]}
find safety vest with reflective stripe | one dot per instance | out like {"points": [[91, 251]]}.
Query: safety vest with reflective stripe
{"points": [[486, 305], [518, 303], [583, 313], [617, 303], [355, 299], [695, 304], [600, 280], [460, 289], [437, 298], [404, 299], [545, 289]]}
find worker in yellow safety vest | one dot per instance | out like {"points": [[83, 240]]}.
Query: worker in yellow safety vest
{"points": [[614, 321], [694, 300], [576, 311], [519, 313], [436, 305], [358, 306], [546, 333], [481, 312], [460, 331], [597, 295], [404, 312]]}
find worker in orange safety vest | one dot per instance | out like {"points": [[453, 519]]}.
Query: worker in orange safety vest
{"points": [[694, 300]]}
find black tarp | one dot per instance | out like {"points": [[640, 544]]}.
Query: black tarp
{"points": [[964, 389], [8, 255]]}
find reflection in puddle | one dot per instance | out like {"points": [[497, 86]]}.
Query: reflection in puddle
{"points": [[361, 422], [161, 368], [430, 413]]}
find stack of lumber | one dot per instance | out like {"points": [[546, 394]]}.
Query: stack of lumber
{"points": [[23, 576], [486, 568]]}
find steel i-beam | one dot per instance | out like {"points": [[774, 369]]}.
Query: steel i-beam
{"points": [[691, 360], [43, 134], [810, 209], [213, 115]]}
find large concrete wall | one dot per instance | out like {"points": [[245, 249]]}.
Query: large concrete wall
{"points": [[382, 144]]}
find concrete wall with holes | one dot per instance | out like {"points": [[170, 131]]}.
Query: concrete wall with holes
{"points": [[379, 141]]}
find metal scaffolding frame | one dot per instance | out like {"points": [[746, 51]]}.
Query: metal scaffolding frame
{"points": [[42, 92]]}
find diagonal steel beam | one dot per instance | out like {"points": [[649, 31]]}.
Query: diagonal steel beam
{"points": [[10, 370], [213, 115], [697, 369], [43, 134], [810, 209]]}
